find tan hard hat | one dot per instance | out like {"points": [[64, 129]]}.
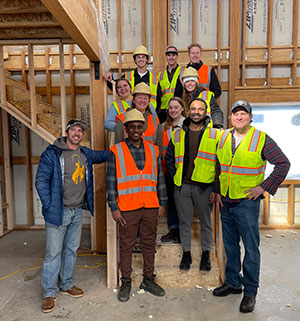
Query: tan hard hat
{"points": [[134, 115], [141, 50], [190, 72], [142, 88]]}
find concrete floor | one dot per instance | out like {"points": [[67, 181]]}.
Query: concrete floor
{"points": [[20, 298]]}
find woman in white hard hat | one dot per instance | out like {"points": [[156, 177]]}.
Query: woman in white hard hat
{"points": [[175, 117], [141, 101], [192, 90], [119, 106]]}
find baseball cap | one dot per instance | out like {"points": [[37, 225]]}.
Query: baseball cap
{"points": [[171, 49], [74, 122], [242, 103]]}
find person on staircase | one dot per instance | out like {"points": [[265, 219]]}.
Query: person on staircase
{"points": [[141, 102], [140, 74], [175, 117], [137, 197], [168, 79], [207, 77], [120, 105], [190, 161], [242, 154], [64, 182], [192, 89]]}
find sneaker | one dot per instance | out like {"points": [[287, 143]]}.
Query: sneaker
{"points": [[186, 261], [48, 304], [172, 236], [74, 292], [124, 292], [150, 286], [205, 261]]}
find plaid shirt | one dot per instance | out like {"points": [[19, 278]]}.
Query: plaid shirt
{"points": [[274, 155], [138, 155]]}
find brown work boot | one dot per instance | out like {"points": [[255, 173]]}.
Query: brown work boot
{"points": [[74, 292], [48, 304]]}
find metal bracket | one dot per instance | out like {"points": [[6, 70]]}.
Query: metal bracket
{"points": [[292, 54], [266, 56], [216, 55], [74, 60], [97, 69], [246, 57], [265, 83], [122, 59], [291, 81], [227, 54], [26, 60], [221, 55], [50, 60]]}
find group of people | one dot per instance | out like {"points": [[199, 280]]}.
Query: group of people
{"points": [[170, 151]]}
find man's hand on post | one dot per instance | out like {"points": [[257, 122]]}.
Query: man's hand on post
{"points": [[117, 216]]}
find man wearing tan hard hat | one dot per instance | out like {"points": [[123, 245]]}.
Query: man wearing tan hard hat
{"points": [[137, 197]]}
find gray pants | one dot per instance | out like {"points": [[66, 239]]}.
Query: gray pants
{"points": [[186, 198]]}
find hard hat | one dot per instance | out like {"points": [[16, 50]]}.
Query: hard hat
{"points": [[134, 115], [190, 74], [142, 88], [242, 103], [141, 50]]}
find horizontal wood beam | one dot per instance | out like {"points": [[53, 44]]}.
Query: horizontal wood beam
{"points": [[264, 95], [79, 20]]}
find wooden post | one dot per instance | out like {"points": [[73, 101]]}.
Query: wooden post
{"points": [[24, 76], [6, 143], [48, 76], [29, 177], [62, 88], [159, 35], [98, 142], [1, 213], [291, 206], [269, 42], [72, 82], [119, 38], [33, 107], [295, 40], [266, 209]]}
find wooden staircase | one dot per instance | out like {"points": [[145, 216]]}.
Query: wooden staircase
{"points": [[18, 104], [168, 257]]}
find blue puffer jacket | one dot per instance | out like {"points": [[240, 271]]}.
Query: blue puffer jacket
{"points": [[49, 181]]}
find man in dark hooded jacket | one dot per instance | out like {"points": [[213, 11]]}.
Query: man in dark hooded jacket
{"points": [[64, 182]]}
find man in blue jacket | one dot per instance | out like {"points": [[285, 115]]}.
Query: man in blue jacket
{"points": [[64, 182]]}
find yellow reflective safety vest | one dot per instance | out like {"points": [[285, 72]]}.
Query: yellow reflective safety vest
{"points": [[121, 106], [206, 95], [205, 162], [167, 88], [153, 83], [246, 168]]}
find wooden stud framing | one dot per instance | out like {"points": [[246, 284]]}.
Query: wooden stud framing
{"points": [[48, 76], [29, 189], [72, 82], [266, 209], [144, 23], [244, 41], [62, 88], [194, 21], [295, 40], [269, 42], [120, 37], [24, 75], [32, 86]]}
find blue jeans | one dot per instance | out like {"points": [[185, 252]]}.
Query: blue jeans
{"points": [[241, 221], [62, 243]]}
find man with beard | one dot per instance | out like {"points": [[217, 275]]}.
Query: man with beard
{"points": [[191, 160], [64, 182]]}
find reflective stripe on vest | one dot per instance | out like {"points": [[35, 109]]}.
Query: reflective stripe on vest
{"points": [[136, 188], [153, 80], [129, 75], [168, 88], [120, 106], [204, 73], [205, 161], [246, 168]]}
